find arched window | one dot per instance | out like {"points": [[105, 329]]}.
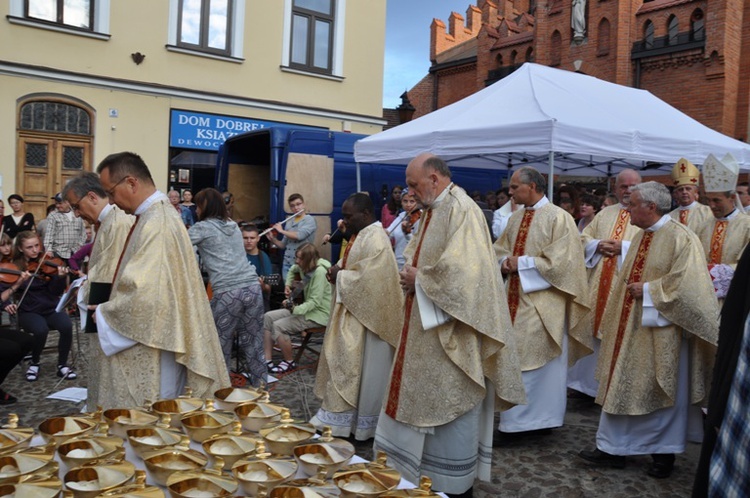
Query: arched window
{"points": [[673, 29], [697, 29], [499, 60], [513, 56], [57, 117], [555, 52], [530, 54], [648, 35], [602, 44]]}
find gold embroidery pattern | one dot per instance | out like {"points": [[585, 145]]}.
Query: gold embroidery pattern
{"points": [[608, 270], [514, 285], [717, 242]]}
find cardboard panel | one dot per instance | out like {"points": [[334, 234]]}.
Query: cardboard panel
{"points": [[251, 188], [312, 176]]}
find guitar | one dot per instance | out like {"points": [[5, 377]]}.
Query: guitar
{"points": [[296, 296]]}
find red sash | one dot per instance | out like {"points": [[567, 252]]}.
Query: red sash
{"points": [[717, 242], [608, 271], [514, 283], [394, 393], [636, 273], [683, 216]]}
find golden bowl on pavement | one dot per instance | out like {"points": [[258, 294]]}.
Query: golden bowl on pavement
{"points": [[229, 397], [60, 429], [24, 464], [92, 479], [201, 425], [146, 439], [78, 451], [208, 483], [122, 419], [14, 438], [165, 462], [33, 487], [230, 447], [257, 414], [282, 437], [326, 453], [177, 407], [138, 489], [263, 471], [365, 480]]}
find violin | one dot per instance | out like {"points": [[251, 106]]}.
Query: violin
{"points": [[9, 273], [49, 267], [411, 219]]}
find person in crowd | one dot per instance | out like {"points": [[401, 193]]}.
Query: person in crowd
{"points": [[156, 329], [491, 199], [744, 195], [258, 259], [187, 201], [501, 216], [41, 225], [297, 231], [65, 233], [237, 302], [463, 347], [19, 220], [610, 200], [6, 248], [501, 197], [722, 467], [14, 345], [590, 206], [392, 206], [306, 278], [363, 330], [540, 254], [36, 300], [229, 201], [689, 212], [657, 351], [728, 232], [90, 202], [568, 200], [185, 215], [606, 241], [405, 226]]}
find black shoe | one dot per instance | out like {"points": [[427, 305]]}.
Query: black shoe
{"points": [[662, 466], [6, 398], [603, 459]]}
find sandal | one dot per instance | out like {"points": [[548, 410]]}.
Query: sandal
{"points": [[32, 373], [5, 398], [270, 366], [66, 372], [284, 367]]}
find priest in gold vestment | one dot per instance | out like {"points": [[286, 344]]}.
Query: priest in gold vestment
{"points": [[455, 354], [88, 199], [606, 240], [689, 212], [364, 326], [156, 330], [656, 358], [541, 254], [725, 236]]}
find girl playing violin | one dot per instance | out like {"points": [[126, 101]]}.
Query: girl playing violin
{"points": [[36, 309], [6, 248], [404, 226]]}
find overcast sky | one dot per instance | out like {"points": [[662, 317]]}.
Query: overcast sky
{"points": [[407, 42]]}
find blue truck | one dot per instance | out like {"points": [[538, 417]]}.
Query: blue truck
{"points": [[263, 167]]}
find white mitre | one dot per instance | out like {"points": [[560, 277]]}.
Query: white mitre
{"points": [[720, 176]]}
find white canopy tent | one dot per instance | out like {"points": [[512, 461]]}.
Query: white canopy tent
{"points": [[573, 123]]}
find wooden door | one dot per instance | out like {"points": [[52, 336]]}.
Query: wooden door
{"points": [[44, 165]]}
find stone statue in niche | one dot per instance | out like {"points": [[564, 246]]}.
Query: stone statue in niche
{"points": [[578, 20]]}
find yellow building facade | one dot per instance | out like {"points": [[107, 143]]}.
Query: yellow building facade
{"points": [[171, 79]]}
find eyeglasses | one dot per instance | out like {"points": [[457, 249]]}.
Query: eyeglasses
{"points": [[111, 191], [77, 205]]}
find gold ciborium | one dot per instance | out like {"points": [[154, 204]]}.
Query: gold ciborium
{"points": [[34, 486], [60, 429], [12, 437], [283, 436], [229, 397], [177, 407], [80, 450], [263, 471], [207, 483], [202, 424], [160, 464], [326, 453], [257, 414], [138, 489], [94, 478], [146, 439], [365, 480], [424, 490], [28, 462], [122, 419], [230, 447]]}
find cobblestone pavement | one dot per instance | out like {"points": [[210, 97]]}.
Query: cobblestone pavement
{"points": [[538, 466]]}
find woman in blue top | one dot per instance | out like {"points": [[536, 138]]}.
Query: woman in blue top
{"points": [[237, 302]]}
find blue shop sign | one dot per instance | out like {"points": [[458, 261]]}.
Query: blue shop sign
{"points": [[195, 130]]}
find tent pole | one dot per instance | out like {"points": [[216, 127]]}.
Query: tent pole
{"points": [[551, 180], [359, 179]]}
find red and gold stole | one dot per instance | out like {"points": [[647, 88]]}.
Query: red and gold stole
{"points": [[717, 242], [683, 216], [608, 270], [346, 251], [514, 283], [636, 273], [391, 406]]}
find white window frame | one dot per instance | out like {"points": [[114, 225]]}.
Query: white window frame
{"points": [[100, 29], [237, 38], [337, 59]]}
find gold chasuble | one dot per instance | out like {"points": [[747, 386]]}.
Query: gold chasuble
{"points": [[439, 374], [109, 242], [543, 317], [370, 298], [724, 240], [697, 216], [637, 368], [159, 301], [611, 223]]}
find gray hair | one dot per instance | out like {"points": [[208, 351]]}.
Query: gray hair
{"points": [[437, 164], [655, 193], [528, 175], [83, 184]]}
